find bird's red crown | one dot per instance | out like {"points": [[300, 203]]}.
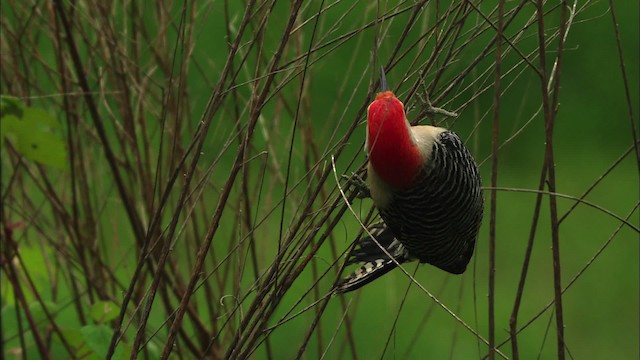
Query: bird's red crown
{"points": [[392, 151]]}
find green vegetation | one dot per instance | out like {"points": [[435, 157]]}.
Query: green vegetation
{"points": [[171, 178]]}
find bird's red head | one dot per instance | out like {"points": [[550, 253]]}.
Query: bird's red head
{"points": [[393, 153]]}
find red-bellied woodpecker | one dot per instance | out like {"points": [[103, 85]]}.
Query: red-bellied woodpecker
{"points": [[426, 186]]}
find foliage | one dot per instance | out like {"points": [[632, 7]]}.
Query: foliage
{"points": [[171, 178], [32, 131]]}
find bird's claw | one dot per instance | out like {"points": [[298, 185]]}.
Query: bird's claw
{"points": [[356, 181], [428, 106]]}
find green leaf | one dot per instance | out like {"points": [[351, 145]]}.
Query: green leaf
{"points": [[97, 338], [40, 118], [9, 320], [73, 337], [35, 267], [39, 315], [33, 132], [103, 311], [8, 126], [123, 351], [11, 111], [10, 106]]}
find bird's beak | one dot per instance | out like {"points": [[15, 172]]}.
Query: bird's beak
{"points": [[383, 81]]}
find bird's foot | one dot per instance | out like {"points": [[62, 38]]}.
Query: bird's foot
{"points": [[428, 107], [360, 185]]}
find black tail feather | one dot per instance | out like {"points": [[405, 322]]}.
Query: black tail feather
{"points": [[364, 275], [375, 262], [367, 249]]}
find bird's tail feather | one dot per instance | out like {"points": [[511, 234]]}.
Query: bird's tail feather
{"points": [[374, 261]]}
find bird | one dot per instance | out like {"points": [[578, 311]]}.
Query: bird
{"points": [[427, 188]]}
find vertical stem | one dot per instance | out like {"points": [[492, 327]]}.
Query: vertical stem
{"points": [[549, 116], [494, 182], [513, 321], [625, 81]]}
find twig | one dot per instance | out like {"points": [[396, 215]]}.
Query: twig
{"points": [[627, 93]]}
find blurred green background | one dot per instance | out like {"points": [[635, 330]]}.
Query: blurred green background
{"points": [[592, 130]]}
